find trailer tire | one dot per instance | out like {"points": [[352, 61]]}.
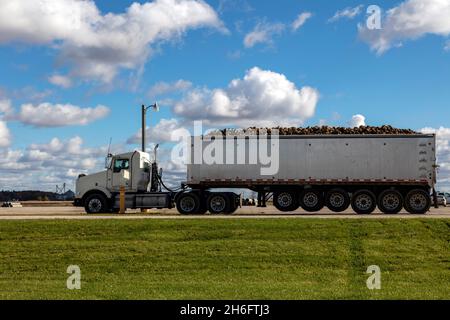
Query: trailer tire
{"points": [[218, 203], [390, 201], [188, 203], [96, 203], [312, 200], [417, 201], [337, 200], [363, 202], [285, 201]]}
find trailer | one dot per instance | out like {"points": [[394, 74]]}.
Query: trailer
{"points": [[388, 171]]}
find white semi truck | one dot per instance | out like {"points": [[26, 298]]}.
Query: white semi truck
{"points": [[391, 171]]}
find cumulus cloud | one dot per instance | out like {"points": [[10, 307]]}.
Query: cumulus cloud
{"points": [[357, 120], [162, 88], [98, 45], [410, 20], [263, 33], [60, 81], [301, 20], [5, 135], [58, 115], [164, 131], [348, 13], [443, 154], [262, 97]]}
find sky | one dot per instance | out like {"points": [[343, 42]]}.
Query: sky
{"points": [[73, 75]]}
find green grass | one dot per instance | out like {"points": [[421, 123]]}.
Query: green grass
{"points": [[226, 259]]}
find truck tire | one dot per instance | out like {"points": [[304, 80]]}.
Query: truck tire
{"points": [[337, 200], [363, 202], [417, 201], [285, 201], [96, 203], [218, 203], [312, 200], [188, 203], [390, 201]]}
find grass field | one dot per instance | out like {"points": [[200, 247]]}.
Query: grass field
{"points": [[225, 259]]}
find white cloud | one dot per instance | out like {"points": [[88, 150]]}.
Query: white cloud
{"points": [[5, 136], [263, 33], [447, 45], [162, 88], [443, 154], [301, 20], [57, 115], [348, 13], [262, 97], [357, 120], [410, 20], [61, 81], [98, 45], [162, 132]]}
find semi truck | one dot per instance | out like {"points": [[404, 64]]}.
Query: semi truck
{"points": [[361, 171]]}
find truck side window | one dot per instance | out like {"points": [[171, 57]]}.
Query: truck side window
{"points": [[121, 164]]}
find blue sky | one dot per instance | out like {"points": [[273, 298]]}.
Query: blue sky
{"points": [[406, 85]]}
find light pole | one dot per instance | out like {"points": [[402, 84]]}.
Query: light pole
{"points": [[144, 111]]}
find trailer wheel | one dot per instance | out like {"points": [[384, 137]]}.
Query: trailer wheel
{"points": [[312, 200], [218, 203], [337, 200], [96, 203], [285, 201], [188, 203], [390, 201], [364, 202], [417, 201]]}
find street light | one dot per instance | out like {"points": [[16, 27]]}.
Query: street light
{"points": [[153, 107]]}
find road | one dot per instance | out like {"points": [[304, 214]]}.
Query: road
{"points": [[31, 213]]}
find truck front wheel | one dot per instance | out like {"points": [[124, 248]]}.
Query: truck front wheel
{"points": [[96, 203], [417, 201], [188, 203]]}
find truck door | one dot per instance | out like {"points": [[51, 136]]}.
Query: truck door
{"points": [[121, 174]]}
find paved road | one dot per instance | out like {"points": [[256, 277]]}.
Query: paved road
{"points": [[28, 213]]}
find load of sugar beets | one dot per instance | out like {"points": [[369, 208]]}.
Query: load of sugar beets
{"points": [[317, 130]]}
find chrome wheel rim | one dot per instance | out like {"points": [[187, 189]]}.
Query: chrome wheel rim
{"points": [[217, 204], [187, 204], [391, 201], [418, 202], [337, 200], [95, 205], [310, 199], [363, 202], [284, 199]]}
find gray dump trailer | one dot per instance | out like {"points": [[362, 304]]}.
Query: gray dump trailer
{"points": [[391, 171]]}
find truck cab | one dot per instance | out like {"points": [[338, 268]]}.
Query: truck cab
{"points": [[132, 171]]}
